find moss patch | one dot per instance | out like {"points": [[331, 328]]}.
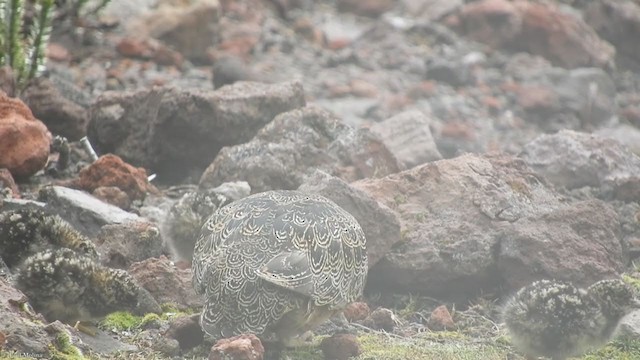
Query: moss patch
{"points": [[62, 349]]}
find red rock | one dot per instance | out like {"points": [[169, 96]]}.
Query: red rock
{"points": [[114, 196], [24, 140], [57, 52], [6, 181], [134, 47], [541, 29], [340, 347], [382, 319], [241, 347], [111, 170], [457, 130], [424, 89], [356, 311], [441, 319], [532, 97], [370, 8]]}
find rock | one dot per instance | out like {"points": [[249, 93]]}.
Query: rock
{"points": [[228, 69], [370, 8], [185, 217], [379, 223], [408, 137], [381, 319], [177, 133], [190, 30], [61, 115], [149, 49], [241, 347], [24, 140], [110, 170], [7, 182], [570, 159], [550, 96], [432, 10], [453, 214], [541, 29], [578, 243], [625, 134], [85, 212], [356, 311], [186, 330], [120, 245], [166, 282], [113, 195], [340, 347], [619, 23], [23, 333], [441, 319], [451, 73], [315, 139], [629, 326]]}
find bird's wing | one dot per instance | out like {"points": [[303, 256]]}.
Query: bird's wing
{"points": [[290, 270]]}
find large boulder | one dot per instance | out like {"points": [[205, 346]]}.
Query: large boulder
{"points": [[177, 132], [458, 214], [294, 144]]}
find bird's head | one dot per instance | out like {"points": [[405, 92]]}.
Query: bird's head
{"points": [[616, 298]]}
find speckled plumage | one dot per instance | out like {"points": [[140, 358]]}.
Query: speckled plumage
{"points": [[58, 269], [66, 286], [557, 320], [26, 231], [276, 264]]}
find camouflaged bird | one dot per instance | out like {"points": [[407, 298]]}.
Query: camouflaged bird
{"points": [[557, 320], [57, 268], [276, 264]]}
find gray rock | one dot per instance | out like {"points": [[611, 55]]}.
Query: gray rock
{"points": [[24, 334], [585, 93], [120, 245], [630, 325], [62, 116], [85, 212], [623, 133], [293, 144], [572, 159], [379, 223], [619, 23], [177, 133], [454, 216], [408, 137]]}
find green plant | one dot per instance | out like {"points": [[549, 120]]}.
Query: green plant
{"points": [[22, 43]]}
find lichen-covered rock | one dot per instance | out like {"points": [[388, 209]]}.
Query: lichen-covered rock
{"points": [[313, 139], [176, 133], [182, 223], [24, 140]]}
